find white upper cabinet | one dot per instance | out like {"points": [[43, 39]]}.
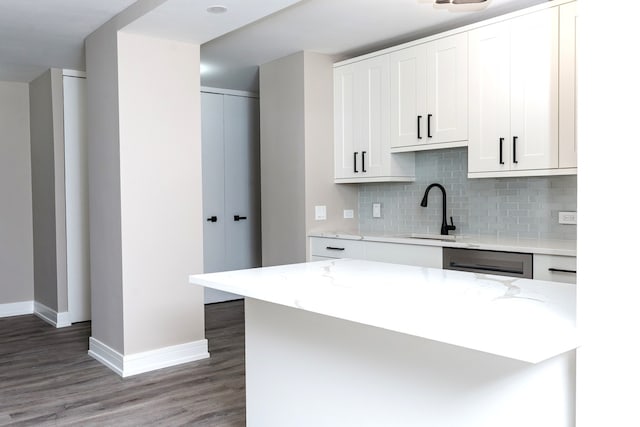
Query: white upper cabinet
{"points": [[568, 142], [429, 95], [513, 95], [361, 125]]}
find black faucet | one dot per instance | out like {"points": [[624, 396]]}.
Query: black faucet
{"points": [[444, 230]]}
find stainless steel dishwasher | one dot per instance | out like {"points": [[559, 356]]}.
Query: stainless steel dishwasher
{"points": [[513, 264]]}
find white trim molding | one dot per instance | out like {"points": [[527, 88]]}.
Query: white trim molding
{"points": [[16, 308], [147, 361], [49, 315]]}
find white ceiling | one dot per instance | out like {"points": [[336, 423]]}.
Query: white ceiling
{"points": [[343, 28], [40, 34]]}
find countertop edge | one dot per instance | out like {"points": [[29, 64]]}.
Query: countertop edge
{"points": [[534, 247]]}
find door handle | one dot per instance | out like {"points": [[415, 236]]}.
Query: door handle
{"points": [[238, 217], [419, 118], [212, 219], [363, 169], [429, 125], [515, 140], [501, 142], [355, 162]]}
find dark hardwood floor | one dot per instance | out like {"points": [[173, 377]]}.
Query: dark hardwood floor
{"points": [[47, 378]]}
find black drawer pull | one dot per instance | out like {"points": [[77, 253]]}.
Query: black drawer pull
{"points": [[212, 219], [363, 168], [501, 142], [515, 157], [561, 270], [429, 125], [238, 217], [419, 118], [333, 248], [485, 268], [355, 162]]}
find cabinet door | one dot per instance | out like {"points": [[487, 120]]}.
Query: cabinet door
{"points": [[344, 111], [372, 117], [534, 91], [408, 71], [567, 143], [489, 96], [213, 169], [447, 95], [241, 183]]}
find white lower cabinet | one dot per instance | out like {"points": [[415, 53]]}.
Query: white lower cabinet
{"points": [[323, 248], [554, 268]]}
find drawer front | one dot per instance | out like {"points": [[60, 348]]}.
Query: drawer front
{"points": [[422, 256], [554, 268], [336, 248]]}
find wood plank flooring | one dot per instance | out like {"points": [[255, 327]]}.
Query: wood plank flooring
{"points": [[47, 378]]}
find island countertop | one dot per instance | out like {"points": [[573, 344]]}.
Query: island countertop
{"points": [[522, 319]]}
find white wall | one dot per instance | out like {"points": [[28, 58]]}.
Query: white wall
{"points": [[16, 235], [161, 191], [104, 188], [319, 186], [282, 160], [48, 192], [608, 372], [296, 157]]}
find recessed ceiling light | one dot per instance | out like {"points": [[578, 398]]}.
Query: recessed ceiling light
{"points": [[217, 9]]}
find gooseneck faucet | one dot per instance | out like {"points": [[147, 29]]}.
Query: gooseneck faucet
{"points": [[444, 230]]}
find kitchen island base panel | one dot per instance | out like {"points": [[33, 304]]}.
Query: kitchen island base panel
{"points": [[308, 369]]}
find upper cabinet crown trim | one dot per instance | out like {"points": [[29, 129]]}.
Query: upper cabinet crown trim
{"points": [[508, 16]]}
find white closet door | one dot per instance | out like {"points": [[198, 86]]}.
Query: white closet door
{"points": [[242, 182], [213, 188], [77, 198]]}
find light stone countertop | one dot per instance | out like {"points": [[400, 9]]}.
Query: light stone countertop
{"points": [[535, 246], [522, 319]]}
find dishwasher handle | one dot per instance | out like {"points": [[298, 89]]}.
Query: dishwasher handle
{"points": [[484, 267]]}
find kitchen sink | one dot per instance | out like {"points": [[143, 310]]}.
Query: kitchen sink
{"points": [[449, 238]]}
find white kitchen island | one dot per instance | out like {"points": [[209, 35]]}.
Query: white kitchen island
{"points": [[361, 343]]}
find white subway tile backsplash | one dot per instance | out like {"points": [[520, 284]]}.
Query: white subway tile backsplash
{"points": [[513, 207]]}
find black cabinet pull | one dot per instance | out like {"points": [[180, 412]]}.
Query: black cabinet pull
{"points": [[212, 219], [429, 125], [560, 270], [515, 140], [238, 217], [333, 248], [501, 142], [419, 118], [363, 169], [355, 162]]}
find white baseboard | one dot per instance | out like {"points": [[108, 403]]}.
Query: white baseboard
{"points": [[147, 361], [59, 320], [16, 308]]}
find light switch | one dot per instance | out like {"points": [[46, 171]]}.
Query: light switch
{"points": [[377, 210], [348, 213], [321, 213], [568, 218]]}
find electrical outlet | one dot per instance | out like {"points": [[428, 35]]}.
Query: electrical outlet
{"points": [[568, 218], [321, 213], [348, 213], [377, 212]]}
